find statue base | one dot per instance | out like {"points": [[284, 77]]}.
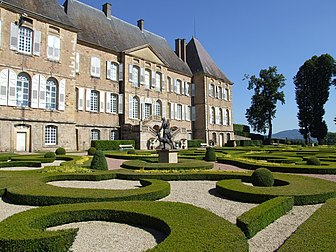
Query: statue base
{"points": [[167, 156]]}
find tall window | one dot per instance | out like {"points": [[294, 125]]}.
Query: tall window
{"points": [[135, 76], [147, 78], [158, 81], [188, 113], [50, 136], [51, 93], [54, 46], [114, 103], [169, 82], [22, 90], [94, 101], [221, 121], [187, 89], [25, 44], [214, 138], [227, 117], [158, 108], [95, 134], [213, 116], [179, 112], [219, 89], [95, 66], [170, 111], [178, 86], [135, 107], [226, 94], [148, 110], [114, 135]]}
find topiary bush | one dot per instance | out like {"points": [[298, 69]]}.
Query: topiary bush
{"points": [[131, 152], [313, 161], [99, 161], [60, 151], [262, 177], [50, 155], [210, 154], [92, 151]]}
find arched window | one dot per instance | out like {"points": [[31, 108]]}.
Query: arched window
{"points": [[148, 110], [136, 107], [221, 121], [25, 44], [50, 135], [228, 137], [51, 93], [23, 90], [212, 115], [94, 101], [158, 108], [95, 134], [227, 117]]}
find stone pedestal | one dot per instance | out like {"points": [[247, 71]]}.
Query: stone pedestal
{"points": [[167, 156]]}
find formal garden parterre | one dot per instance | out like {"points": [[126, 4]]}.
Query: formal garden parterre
{"points": [[26, 231]]}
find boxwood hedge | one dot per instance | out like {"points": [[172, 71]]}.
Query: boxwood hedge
{"points": [[183, 164], [104, 145], [259, 217], [180, 222], [20, 164]]}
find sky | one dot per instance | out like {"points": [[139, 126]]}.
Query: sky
{"points": [[243, 37]]}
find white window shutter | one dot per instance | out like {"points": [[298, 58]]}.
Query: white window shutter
{"points": [[183, 87], [77, 62], [223, 116], [172, 110], [108, 70], [93, 69], [121, 104], [193, 113], [175, 112], [175, 85], [14, 37], [50, 47], [153, 79], [130, 72], [229, 95], [130, 106], [223, 93], [108, 102], [42, 94], [3, 87], [183, 112], [164, 109], [80, 99], [88, 99], [102, 101], [57, 45], [193, 91], [121, 72], [230, 117], [61, 95], [98, 67], [217, 115], [209, 90], [37, 43], [35, 91], [163, 81], [142, 76], [0, 33], [188, 113], [142, 108]]}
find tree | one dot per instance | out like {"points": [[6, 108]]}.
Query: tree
{"points": [[312, 84], [263, 103]]}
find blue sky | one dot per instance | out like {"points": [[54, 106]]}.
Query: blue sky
{"points": [[244, 36]]}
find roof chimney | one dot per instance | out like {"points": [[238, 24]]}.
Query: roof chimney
{"points": [[181, 49], [141, 24], [107, 10]]}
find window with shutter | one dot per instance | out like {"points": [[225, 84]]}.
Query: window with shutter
{"points": [[51, 94], [147, 78], [4, 76], [80, 102], [120, 103], [94, 101], [95, 67], [22, 90], [178, 87], [135, 76], [37, 43], [14, 36], [114, 103], [158, 81], [25, 40], [54, 47]]}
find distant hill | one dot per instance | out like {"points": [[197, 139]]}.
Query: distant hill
{"points": [[289, 134]]}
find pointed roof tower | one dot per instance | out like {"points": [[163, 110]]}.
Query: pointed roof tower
{"points": [[200, 61]]}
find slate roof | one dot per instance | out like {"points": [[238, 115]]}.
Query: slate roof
{"points": [[118, 35], [200, 61], [49, 9]]}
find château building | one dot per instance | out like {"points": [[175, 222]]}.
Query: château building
{"points": [[71, 74]]}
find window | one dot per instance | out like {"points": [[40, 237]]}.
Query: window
{"points": [[22, 90], [178, 86], [114, 103], [95, 66], [221, 121], [188, 113], [179, 112], [227, 94], [227, 117], [212, 115], [135, 107], [114, 71], [94, 101], [50, 136], [187, 89], [147, 78], [214, 138], [54, 46], [158, 81], [25, 44], [219, 90], [170, 114], [169, 81], [148, 110], [135, 76], [114, 135], [51, 93], [95, 134], [158, 108]]}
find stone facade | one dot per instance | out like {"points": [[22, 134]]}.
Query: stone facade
{"points": [[58, 89]]}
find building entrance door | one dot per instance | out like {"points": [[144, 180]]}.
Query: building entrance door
{"points": [[21, 141]]}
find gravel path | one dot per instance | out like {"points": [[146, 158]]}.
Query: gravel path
{"points": [[55, 163]]}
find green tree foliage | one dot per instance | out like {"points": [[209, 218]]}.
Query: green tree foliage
{"points": [[99, 161], [266, 95], [312, 84]]}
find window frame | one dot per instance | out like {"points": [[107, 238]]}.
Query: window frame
{"points": [[95, 134], [23, 42], [23, 102], [50, 135], [54, 50], [48, 92], [94, 101]]}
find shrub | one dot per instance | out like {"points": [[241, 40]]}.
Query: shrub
{"points": [[210, 154], [99, 161], [110, 144], [195, 143], [262, 177], [92, 151], [313, 161], [50, 155], [131, 152], [60, 151]]}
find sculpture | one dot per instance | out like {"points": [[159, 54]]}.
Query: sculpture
{"points": [[167, 137]]}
